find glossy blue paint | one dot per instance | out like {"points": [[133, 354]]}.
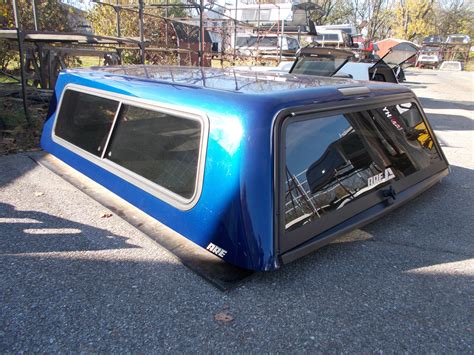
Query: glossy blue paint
{"points": [[236, 207]]}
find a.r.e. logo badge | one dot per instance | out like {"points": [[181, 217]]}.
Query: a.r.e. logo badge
{"points": [[216, 250]]}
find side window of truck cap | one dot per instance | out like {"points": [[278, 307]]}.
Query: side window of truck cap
{"points": [[85, 120], [157, 146]]}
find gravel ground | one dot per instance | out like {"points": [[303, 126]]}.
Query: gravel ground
{"points": [[73, 281]]}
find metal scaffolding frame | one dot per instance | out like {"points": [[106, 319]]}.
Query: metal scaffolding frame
{"points": [[226, 22]]}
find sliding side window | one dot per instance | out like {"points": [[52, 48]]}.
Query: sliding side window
{"points": [[157, 146], [85, 120]]}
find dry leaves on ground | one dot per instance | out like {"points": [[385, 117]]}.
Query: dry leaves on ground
{"points": [[223, 316]]}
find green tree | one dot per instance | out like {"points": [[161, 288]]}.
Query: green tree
{"points": [[412, 19], [373, 16], [452, 17], [51, 15], [332, 12]]}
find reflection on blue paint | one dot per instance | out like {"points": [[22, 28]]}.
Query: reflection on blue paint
{"points": [[227, 132]]}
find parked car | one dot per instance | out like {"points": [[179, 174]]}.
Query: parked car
{"points": [[428, 60], [451, 65], [429, 56], [257, 168], [433, 40], [458, 39]]}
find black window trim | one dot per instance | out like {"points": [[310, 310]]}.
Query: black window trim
{"points": [[135, 179], [281, 121]]}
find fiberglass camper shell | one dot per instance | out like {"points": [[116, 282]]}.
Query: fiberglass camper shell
{"points": [[257, 168]]}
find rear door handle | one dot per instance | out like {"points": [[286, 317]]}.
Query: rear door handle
{"points": [[389, 195]]}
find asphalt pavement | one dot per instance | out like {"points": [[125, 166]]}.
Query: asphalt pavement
{"points": [[73, 278]]}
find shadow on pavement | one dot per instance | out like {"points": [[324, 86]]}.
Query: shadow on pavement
{"points": [[430, 103], [447, 121], [35, 232]]}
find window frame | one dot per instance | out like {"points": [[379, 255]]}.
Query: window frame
{"points": [[131, 177], [282, 238], [100, 152]]}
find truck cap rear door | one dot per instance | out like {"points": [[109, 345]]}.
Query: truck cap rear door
{"points": [[338, 163]]}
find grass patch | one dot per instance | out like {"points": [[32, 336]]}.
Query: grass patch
{"points": [[89, 61]]}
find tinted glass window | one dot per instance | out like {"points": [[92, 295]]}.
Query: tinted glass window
{"points": [[292, 44], [268, 41], [246, 41], [322, 66], [162, 148], [257, 41], [327, 37], [85, 120], [332, 161]]}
